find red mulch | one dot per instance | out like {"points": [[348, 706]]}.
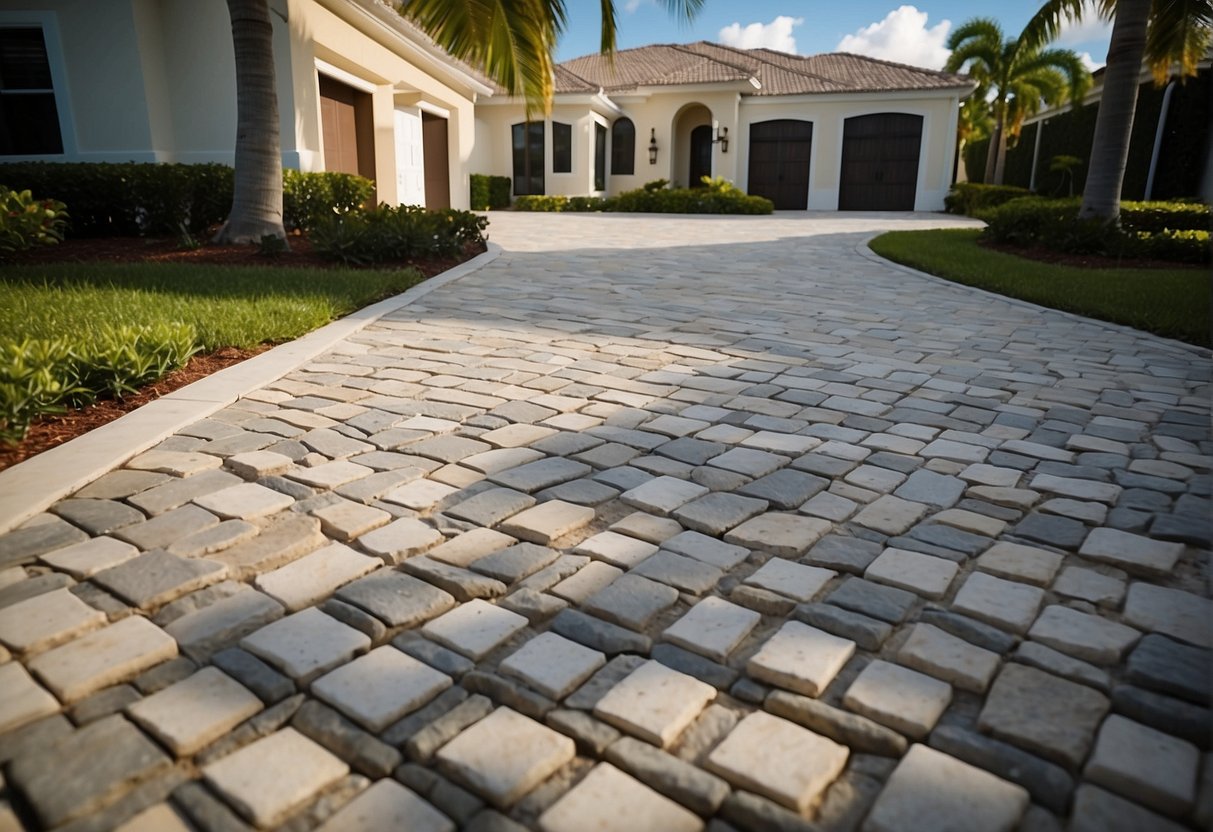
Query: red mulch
{"points": [[52, 430], [1085, 261]]}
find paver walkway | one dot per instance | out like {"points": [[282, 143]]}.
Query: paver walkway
{"points": [[651, 524]]}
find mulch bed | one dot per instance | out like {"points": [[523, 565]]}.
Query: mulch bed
{"points": [[1085, 261], [52, 430]]}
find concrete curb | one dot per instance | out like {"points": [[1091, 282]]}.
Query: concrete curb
{"points": [[863, 250], [33, 485]]}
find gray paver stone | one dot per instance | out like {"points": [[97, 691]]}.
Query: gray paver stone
{"points": [[1145, 765], [1177, 669], [488, 508], [683, 573], [1133, 553], [884, 602], [926, 575], [890, 515], [716, 513], [1096, 810], [931, 488], [1171, 612], [949, 658], [786, 535], [1006, 604], [662, 495], [1018, 562], [154, 579], [203, 631], [631, 601], [1085, 636]]}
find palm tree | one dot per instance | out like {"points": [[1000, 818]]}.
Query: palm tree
{"points": [[1021, 74], [512, 41], [1163, 33], [257, 186]]}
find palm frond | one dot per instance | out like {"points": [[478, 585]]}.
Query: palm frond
{"points": [[1179, 33]]}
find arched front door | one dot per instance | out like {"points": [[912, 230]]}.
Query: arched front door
{"points": [[701, 155]]}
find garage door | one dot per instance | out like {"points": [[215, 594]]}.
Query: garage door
{"points": [[880, 162], [779, 162]]}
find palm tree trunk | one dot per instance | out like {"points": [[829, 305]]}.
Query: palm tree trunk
{"points": [[1000, 157], [257, 193], [1114, 122], [992, 152]]}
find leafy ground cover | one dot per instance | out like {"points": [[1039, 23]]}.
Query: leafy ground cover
{"points": [[1173, 302]]}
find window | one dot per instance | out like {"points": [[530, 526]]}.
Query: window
{"points": [[29, 118], [528, 158], [623, 147], [562, 147], [600, 138]]}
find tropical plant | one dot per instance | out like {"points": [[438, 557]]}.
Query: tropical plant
{"points": [[1020, 74], [1065, 166], [1163, 34]]}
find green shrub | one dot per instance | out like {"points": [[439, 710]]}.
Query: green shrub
{"points": [[717, 196], [140, 199], [1153, 217], [490, 192], [1054, 224], [43, 375], [26, 222], [389, 233], [968, 197], [541, 202]]}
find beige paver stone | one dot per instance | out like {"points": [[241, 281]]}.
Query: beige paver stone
{"points": [[926, 575], [193, 713], [786, 535], [552, 664], [1007, 604], [890, 515], [1132, 552], [794, 580], [1104, 590], [474, 628], [306, 644], [283, 539], [801, 658], [400, 540], [903, 699], [331, 474], [931, 790], [1078, 489], [516, 435], [23, 700], [379, 688], [312, 578], [1020, 563], [1172, 612], [387, 805], [159, 818], [500, 459], [611, 801], [420, 495], [470, 546], [616, 549], [983, 474], [648, 528], [713, 628], [548, 521], [244, 502], [970, 521], [1146, 765], [90, 557], [256, 464], [177, 463], [778, 759], [265, 781], [505, 755], [1082, 635], [955, 451], [949, 658], [103, 657], [655, 703], [347, 520], [589, 579], [46, 620]]}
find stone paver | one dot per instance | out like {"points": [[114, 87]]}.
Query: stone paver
{"points": [[574, 455], [505, 755]]}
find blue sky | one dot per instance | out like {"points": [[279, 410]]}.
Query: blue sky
{"points": [[909, 33]]}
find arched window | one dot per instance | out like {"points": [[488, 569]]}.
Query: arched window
{"points": [[623, 147]]}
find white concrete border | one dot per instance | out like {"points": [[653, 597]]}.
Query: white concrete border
{"points": [[863, 250], [35, 484]]}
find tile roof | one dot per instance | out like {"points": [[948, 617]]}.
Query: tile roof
{"points": [[777, 73]]}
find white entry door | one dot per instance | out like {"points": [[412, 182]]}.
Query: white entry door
{"points": [[410, 160]]}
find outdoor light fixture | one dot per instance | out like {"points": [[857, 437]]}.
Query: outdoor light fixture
{"points": [[722, 139], [652, 145]]}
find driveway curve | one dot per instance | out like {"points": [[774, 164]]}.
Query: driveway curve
{"points": [[650, 521]]}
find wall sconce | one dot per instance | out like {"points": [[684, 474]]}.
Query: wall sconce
{"points": [[722, 139], [652, 145]]}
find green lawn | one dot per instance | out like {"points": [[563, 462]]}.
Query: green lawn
{"points": [[71, 333], [1170, 302], [226, 306]]}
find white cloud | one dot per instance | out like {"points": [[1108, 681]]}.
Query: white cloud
{"points": [[903, 36], [632, 5], [1090, 63], [1087, 29], [775, 35]]}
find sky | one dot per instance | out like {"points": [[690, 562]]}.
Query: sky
{"points": [[908, 33]]}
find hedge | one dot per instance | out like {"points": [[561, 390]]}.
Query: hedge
{"points": [[1157, 230], [968, 197], [490, 192], [394, 233], [140, 199], [717, 196]]}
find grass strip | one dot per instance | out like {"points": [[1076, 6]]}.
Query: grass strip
{"points": [[1174, 303]]}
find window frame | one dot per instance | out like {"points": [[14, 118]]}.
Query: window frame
{"points": [[48, 22], [559, 127], [623, 151]]}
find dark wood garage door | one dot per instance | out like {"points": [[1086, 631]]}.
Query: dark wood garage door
{"points": [[779, 162], [880, 162]]}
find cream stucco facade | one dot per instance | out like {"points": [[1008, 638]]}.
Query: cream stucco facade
{"points": [[154, 81]]}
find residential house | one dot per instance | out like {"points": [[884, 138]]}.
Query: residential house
{"points": [[824, 132]]}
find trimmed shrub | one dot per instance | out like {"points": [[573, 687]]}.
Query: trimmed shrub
{"points": [[968, 197], [1153, 217], [541, 202], [388, 232], [140, 199], [490, 192], [26, 222], [717, 196], [1054, 224]]}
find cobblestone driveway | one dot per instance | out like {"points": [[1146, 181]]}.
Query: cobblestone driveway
{"points": [[651, 524]]}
